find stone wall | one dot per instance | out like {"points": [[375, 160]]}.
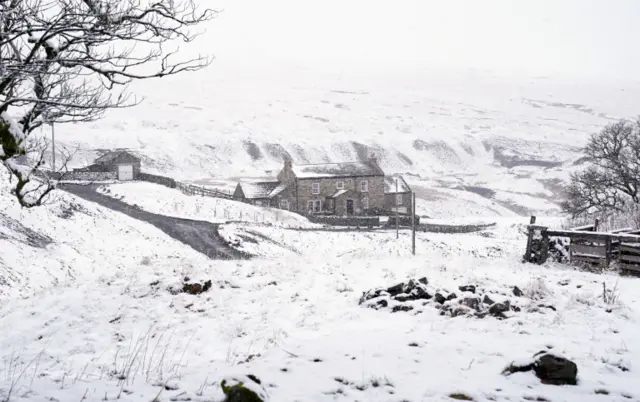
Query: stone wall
{"points": [[402, 220], [361, 221], [162, 180], [329, 186], [90, 176]]}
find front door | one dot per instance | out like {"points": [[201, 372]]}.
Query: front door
{"points": [[125, 172], [349, 207]]}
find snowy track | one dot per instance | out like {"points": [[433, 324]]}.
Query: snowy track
{"points": [[202, 236]]}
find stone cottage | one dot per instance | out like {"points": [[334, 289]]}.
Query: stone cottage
{"points": [[347, 188], [397, 194]]}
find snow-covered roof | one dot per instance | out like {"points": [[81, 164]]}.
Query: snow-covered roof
{"points": [[279, 188], [343, 169], [390, 185], [263, 189], [111, 155]]}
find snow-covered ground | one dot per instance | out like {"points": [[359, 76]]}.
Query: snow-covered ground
{"points": [[172, 202], [113, 327]]}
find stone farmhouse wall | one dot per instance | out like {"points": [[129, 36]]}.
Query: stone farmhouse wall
{"points": [[329, 186]]}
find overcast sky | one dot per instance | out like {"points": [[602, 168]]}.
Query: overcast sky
{"points": [[585, 38]]}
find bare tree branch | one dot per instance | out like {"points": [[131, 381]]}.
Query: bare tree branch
{"points": [[61, 60]]}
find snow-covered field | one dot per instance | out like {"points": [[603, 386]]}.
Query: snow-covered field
{"points": [[94, 315], [172, 202]]}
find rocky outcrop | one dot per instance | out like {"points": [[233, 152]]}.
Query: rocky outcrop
{"points": [[471, 299], [243, 389]]}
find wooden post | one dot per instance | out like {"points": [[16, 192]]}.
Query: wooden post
{"points": [[545, 245], [595, 225], [527, 253], [413, 223], [608, 252]]}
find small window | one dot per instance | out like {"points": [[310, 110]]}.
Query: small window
{"points": [[310, 206], [317, 206], [284, 204], [398, 199], [364, 186], [365, 203], [315, 188], [340, 185]]}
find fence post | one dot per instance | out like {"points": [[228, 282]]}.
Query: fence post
{"points": [[545, 245], [608, 252], [595, 225], [527, 254]]}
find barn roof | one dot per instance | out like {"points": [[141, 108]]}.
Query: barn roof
{"points": [[390, 185], [111, 155], [343, 169], [264, 189]]}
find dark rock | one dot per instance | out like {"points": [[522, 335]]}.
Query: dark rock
{"points": [[547, 306], [452, 296], [460, 310], [440, 298], [516, 308], [467, 288], [196, 288], [555, 370], [421, 293], [235, 390], [498, 309], [396, 289], [423, 280], [517, 292], [487, 300], [382, 303], [471, 302], [401, 307]]}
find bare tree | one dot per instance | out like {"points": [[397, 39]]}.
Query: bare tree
{"points": [[62, 61], [612, 181]]}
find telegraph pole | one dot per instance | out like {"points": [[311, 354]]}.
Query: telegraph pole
{"points": [[397, 226], [53, 141], [413, 223]]}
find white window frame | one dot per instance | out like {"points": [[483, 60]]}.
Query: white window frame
{"points": [[317, 206], [365, 203], [340, 185], [315, 188], [364, 186], [398, 199], [310, 206], [284, 204]]}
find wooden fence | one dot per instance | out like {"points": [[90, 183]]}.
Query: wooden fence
{"points": [[190, 189], [587, 246]]}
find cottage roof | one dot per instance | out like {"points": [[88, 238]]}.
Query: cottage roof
{"points": [[339, 193], [390, 185], [264, 189], [111, 155], [343, 169]]}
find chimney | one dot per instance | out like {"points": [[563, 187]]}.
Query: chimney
{"points": [[288, 164], [373, 159]]}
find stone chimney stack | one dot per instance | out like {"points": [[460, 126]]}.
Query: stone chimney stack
{"points": [[288, 163], [373, 159]]}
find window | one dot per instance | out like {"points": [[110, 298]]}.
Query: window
{"points": [[284, 204], [315, 188], [365, 203], [398, 199], [314, 206], [364, 186], [340, 185]]}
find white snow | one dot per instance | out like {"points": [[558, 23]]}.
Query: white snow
{"points": [[172, 202]]}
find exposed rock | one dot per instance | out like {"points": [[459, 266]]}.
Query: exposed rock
{"points": [[440, 298], [517, 292], [401, 307], [467, 288], [555, 370], [243, 389], [487, 300], [196, 288], [471, 302], [550, 369], [498, 309]]}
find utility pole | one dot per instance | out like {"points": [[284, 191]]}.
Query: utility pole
{"points": [[53, 141], [413, 223], [397, 226]]}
